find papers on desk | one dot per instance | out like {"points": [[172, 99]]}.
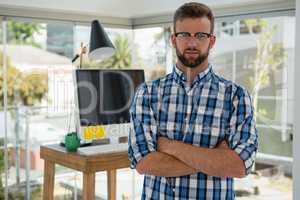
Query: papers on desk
{"points": [[103, 149]]}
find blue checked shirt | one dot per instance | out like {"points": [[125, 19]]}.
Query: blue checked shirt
{"points": [[203, 114]]}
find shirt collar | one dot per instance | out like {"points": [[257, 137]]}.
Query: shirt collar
{"points": [[201, 77]]}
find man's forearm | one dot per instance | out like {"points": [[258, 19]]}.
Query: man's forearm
{"points": [[161, 164], [214, 162]]}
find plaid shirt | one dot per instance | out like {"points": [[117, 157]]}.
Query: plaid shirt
{"points": [[208, 111]]}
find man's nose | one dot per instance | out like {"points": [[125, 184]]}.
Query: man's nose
{"points": [[192, 42]]}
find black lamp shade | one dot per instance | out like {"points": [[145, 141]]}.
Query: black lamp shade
{"points": [[100, 45]]}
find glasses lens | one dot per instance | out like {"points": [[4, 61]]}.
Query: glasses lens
{"points": [[183, 35], [201, 36]]}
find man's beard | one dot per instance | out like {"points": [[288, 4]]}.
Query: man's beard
{"points": [[192, 63]]}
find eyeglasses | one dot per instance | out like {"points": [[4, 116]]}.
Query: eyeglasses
{"points": [[199, 35]]}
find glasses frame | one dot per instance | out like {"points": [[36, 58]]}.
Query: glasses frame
{"points": [[188, 35]]}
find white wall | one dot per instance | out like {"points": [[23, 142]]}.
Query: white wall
{"points": [[296, 148]]}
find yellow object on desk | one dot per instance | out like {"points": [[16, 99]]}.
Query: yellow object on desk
{"points": [[93, 132]]}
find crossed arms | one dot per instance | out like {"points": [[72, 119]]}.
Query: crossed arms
{"points": [[175, 158]]}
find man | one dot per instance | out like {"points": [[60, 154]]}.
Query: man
{"points": [[192, 131]]}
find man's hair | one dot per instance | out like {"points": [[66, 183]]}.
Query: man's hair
{"points": [[194, 10]]}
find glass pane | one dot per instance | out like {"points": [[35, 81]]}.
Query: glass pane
{"points": [[40, 97], [2, 115], [259, 55], [275, 129], [152, 48], [275, 136], [223, 64]]}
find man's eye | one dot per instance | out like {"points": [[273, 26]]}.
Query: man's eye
{"points": [[184, 35], [200, 36]]}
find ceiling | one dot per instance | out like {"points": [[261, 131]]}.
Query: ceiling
{"points": [[119, 8]]}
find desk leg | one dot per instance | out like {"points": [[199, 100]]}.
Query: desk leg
{"points": [[49, 171], [111, 184], [88, 186]]}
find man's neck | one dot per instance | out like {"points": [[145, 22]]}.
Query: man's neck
{"points": [[191, 73]]}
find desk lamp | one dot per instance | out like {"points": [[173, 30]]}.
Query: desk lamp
{"points": [[100, 48], [100, 45]]}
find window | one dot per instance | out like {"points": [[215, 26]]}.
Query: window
{"points": [[259, 55]]}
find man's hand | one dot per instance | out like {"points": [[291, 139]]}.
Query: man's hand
{"points": [[222, 145], [164, 145]]}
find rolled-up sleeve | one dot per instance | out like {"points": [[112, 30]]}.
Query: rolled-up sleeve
{"points": [[243, 136], [143, 129]]}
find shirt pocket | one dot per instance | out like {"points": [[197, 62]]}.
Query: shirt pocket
{"points": [[207, 135], [170, 130]]}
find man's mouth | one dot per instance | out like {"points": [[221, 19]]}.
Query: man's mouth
{"points": [[190, 53]]}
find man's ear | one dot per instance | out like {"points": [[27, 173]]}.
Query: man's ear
{"points": [[173, 40], [212, 41]]}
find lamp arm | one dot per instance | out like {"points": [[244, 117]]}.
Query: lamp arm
{"points": [[75, 58], [80, 55]]}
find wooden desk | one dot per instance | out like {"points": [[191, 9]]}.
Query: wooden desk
{"points": [[89, 165]]}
